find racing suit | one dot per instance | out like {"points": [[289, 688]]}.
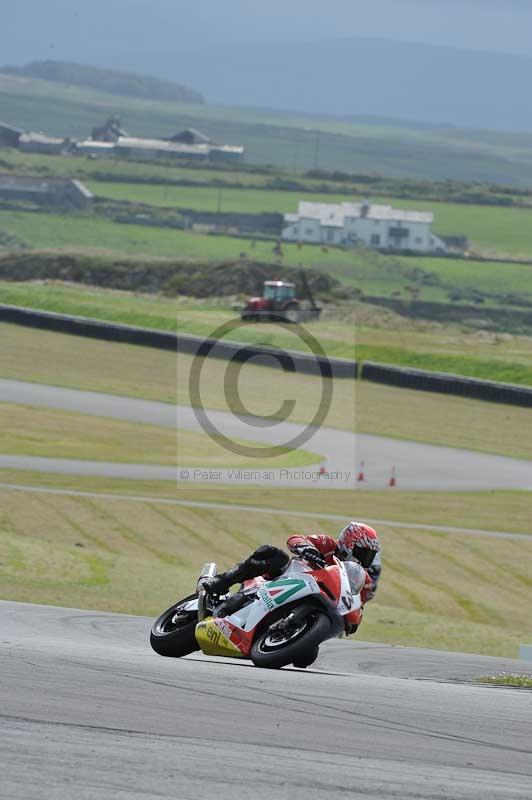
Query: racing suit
{"points": [[270, 562], [326, 546]]}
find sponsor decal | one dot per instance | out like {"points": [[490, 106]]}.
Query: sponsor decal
{"points": [[282, 590], [224, 627], [266, 599], [213, 635]]}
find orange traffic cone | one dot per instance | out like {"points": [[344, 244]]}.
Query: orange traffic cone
{"points": [[393, 481], [361, 476]]}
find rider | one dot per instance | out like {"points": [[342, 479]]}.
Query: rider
{"points": [[356, 542]]}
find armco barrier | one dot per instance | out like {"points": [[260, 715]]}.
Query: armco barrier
{"points": [[288, 360], [446, 383]]}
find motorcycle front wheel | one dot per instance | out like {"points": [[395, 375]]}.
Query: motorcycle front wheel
{"points": [[173, 632], [277, 647]]}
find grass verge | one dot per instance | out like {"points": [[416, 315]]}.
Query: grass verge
{"points": [[49, 433], [507, 679]]}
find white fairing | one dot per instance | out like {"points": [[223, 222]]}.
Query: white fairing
{"points": [[356, 575], [350, 600], [294, 584], [192, 605], [249, 616]]}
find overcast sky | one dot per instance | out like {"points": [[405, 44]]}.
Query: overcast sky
{"points": [[91, 31]]}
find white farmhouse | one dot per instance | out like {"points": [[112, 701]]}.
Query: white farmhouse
{"points": [[377, 226]]}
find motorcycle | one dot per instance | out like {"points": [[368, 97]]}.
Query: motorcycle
{"points": [[272, 622]]}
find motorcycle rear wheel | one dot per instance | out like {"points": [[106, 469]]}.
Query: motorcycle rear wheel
{"points": [[273, 650], [173, 633]]}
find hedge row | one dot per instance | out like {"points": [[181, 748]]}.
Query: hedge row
{"points": [[186, 277]]}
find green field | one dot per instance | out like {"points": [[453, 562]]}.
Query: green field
{"points": [[373, 274], [117, 170], [283, 139], [491, 231], [176, 175], [352, 335], [134, 556]]}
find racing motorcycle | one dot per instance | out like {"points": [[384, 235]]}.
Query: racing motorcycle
{"points": [[272, 622]]}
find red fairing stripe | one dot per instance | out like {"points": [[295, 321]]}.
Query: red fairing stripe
{"points": [[354, 617], [329, 577]]}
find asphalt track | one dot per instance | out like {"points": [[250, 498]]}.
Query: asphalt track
{"points": [[88, 711], [418, 466]]}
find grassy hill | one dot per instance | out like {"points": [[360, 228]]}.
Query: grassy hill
{"points": [[280, 138], [127, 84]]}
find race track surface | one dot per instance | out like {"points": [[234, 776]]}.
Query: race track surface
{"points": [[418, 466], [88, 711]]}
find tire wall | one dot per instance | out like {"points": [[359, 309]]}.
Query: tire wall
{"points": [[446, 383]]}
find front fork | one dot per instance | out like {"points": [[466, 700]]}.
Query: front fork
{"points": [[207, 571]]}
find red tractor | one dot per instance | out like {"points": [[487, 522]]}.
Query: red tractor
{"points": [[279, 302]]}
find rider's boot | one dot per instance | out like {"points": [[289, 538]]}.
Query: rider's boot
{"points": [[265, 559], [221, 583], [232, 604]]}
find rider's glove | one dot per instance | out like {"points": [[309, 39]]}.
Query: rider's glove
{"points": [[210, 586], [350, 629], [311, 554]]}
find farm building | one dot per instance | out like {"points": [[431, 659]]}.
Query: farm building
{"points": [[39, 143], [190, 136], [89, 147], [376, 226], [226, 152], [153, 149], [59, 193], [217, 152], [110, 131], [9, 136]]}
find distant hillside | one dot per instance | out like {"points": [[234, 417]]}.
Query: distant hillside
{"points": [[294, 142], [368, 77], [127, 84]]}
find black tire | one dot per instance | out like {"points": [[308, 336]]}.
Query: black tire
{"points": [[173, 634], [307, 660], [292, 313], [301, 648]]}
